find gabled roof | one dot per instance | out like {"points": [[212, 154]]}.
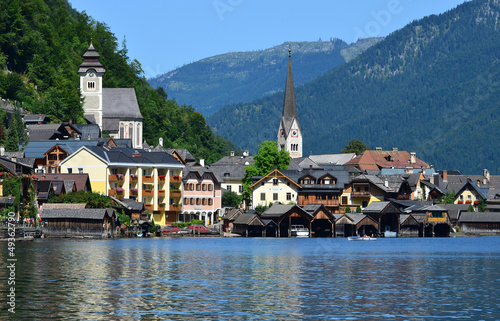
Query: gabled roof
{"points": [[275, 172], [378, 159], [469, 184], [248, 219], [333, 159], [81, 181], [131, 205], [278, 210], [87, 213], [120, 103], [373, 180], [232, 214], [37, 149], [200, 171], [480, 217], [454, 210]]}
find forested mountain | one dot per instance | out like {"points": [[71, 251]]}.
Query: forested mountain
{"points": [[211, 83], [41, 48], [432, 87]]}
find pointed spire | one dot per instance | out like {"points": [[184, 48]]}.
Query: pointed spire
{"points": [[289, 107], [91, 60]]}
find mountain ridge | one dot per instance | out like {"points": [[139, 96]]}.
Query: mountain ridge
{"points": [[430, 87], [213, 82]]}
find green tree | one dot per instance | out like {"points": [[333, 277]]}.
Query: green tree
{"points": [[355, 146], [92, 200], [230, 199], [471, 208], [267, 159], [448, 198]]}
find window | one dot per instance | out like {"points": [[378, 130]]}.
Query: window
{"points": [[229, 188], [204, 201], [198, 202], [262, 196], [344, 200], [70, 170], [198, 187], [469, 197], [80, 171], [240, 188], [275, 196], [191, 201], [288, 196], [210, 187], [326, 181], [203, 187], [91, 85], [461, 197], [275, 181], [364, 203], [186, 201], [437, 214], [210, 201]]}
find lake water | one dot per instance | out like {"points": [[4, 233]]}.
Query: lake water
{"points": [[255, 279]]}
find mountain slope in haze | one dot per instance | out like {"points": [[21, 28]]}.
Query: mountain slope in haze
{"points": [[211, 83], [432, 87]]}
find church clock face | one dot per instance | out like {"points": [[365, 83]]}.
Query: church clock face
{"points": [[91, 74], [282, 133], [295, 133]]}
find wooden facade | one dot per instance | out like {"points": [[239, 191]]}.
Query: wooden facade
{"points": [[78, 222]]}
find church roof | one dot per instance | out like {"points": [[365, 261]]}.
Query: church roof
{"points": [[118, 104], [91, 61], [289, 106]]}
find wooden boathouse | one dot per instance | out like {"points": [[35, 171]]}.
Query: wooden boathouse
{"points": [[86, 222]]}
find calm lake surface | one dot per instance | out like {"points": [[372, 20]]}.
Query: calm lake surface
{"points": [[255, 279]]}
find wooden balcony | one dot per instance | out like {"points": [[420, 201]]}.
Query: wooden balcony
{"points": [[148, 179], [149, 207], [174, 207], [134, 178], [115, 177], [175, 193], [147, 192], [161, 193], [329, 203], [134, 192], [112, 192], [175, 179], [161, 178], [161, 207], [360, 194]]}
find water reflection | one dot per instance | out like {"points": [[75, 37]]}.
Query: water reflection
{"points": [[259, 279]]}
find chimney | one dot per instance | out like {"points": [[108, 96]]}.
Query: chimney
{"points": [[394, 149], [486, 174], [413, 158], [202, 162], [232, 153], [2, 150], [245, 153], [436, 178], [378, 148], [409, 170], [160, 141], [386, 183], [445, 176]]}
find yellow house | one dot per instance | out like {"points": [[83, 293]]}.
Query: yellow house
{"points": [[362, 191], [470, 193], [274, 187], [154, 178]]}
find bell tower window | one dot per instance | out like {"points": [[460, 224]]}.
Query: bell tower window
{"points": [[91, 85]]}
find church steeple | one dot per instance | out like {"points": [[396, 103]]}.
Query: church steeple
{"points": [[289, 133]]}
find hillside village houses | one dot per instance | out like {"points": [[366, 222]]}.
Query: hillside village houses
{"points": [[330, 195]]}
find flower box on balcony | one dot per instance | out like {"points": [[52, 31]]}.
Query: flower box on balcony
{"points": [[119, 176], [460, 202], [468, 202], [476, 202]]}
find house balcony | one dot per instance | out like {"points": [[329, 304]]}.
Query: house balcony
{"points": [[161, 193], [161, 178], [147, 192], [175, 193], [115, 177], [134, 192], [174, 207], [148, 179], [360, 194], [112, 192], [329, 203], [134, 178], [149, 207], [175, 179], [161, 207]]}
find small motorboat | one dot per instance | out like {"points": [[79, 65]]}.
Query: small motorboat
{"points": [[361, 238], [390, 234], [299, 231]]}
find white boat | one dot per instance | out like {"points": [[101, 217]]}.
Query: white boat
{"points": [[139, 234], [299, 231], [390, 234], [361, 238]]}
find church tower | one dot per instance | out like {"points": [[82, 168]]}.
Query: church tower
{"points": [[289, 133], [91, 72]]}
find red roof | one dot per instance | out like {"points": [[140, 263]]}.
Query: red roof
{"points": [[378, 159]]}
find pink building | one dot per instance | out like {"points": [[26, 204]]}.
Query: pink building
{"points": [[202, 194]]}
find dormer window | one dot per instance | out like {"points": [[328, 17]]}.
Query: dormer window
{"points": [[275, 181]]}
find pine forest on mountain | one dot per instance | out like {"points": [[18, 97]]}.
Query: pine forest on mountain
{"points": [[211, 83], [432, 87], [41, 47]]}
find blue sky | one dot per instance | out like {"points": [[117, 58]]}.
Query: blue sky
{"points": [[165, 34]]}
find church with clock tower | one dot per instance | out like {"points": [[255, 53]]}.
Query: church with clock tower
{"points": [[115, 110], [289, 133]]}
